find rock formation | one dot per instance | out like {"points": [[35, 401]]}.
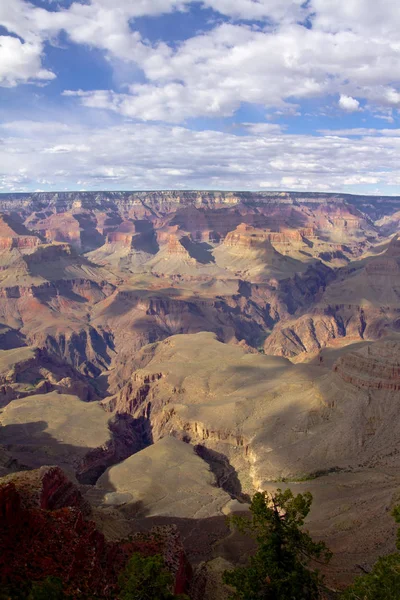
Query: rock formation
{"points": [[44, 532], [375, 366], [78, 436], [165, 479], [13, 235], [27, 371], [241, 339], [270, 418]]}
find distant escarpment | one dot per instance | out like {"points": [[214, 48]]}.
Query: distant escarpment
{"points": [[375, 205]]}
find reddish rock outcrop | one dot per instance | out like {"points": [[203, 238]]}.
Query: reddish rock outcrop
{"points": [[49, 253], [47, 488], [118, 237], [175, 248], [44, 532], [375, 367], [75, 226], [62, 227], [308, 334], [340, 217], [21, 242], [13, 235], [246, 236]]}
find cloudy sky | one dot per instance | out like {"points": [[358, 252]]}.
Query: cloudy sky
{"points": [[210, 94]]}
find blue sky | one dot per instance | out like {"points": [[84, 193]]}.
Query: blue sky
{"points": [[212, 94]]}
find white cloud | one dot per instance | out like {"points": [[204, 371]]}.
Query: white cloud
{"points": [[212, 74], [361, 179], [361, 131], [277, 10], [66, 148], [263, 128], [366, 17], [21, 62], [348, 103], [352, 50], [144, 156]]}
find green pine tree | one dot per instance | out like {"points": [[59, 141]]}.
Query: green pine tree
{"points": [[49, 589], [280, 569], [146, 579]]}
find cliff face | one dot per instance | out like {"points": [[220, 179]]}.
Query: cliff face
{"points": [[175, 248], [247, 236], [329, 326], [70, 200], [306, 335], [44, 532], [46, 295], [86, 219], [376, 366], [359, 302], [14, 236], [75, 227], [28, 371], [22, 242]]}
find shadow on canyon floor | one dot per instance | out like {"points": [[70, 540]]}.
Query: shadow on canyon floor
{"points": [[33, 447]]}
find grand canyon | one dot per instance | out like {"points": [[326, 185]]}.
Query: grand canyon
{"points": [[165, 355]]}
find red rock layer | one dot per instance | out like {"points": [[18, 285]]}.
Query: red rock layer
{"points": [[119, 237], [43, 533], [175, 248], [22, 242], [246, 236], [374, 367]]}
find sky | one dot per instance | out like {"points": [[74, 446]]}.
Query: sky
{"points": [[208, 94]]}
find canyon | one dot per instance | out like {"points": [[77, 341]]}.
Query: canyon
{"points": [[174, 352]]}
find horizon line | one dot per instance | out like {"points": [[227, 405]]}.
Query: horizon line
{"points": [[194, 190]]}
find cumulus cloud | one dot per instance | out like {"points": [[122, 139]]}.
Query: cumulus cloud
{"points": [[21, 62], [367, 17], [213, 73], [351, 50], [348, 103]]}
